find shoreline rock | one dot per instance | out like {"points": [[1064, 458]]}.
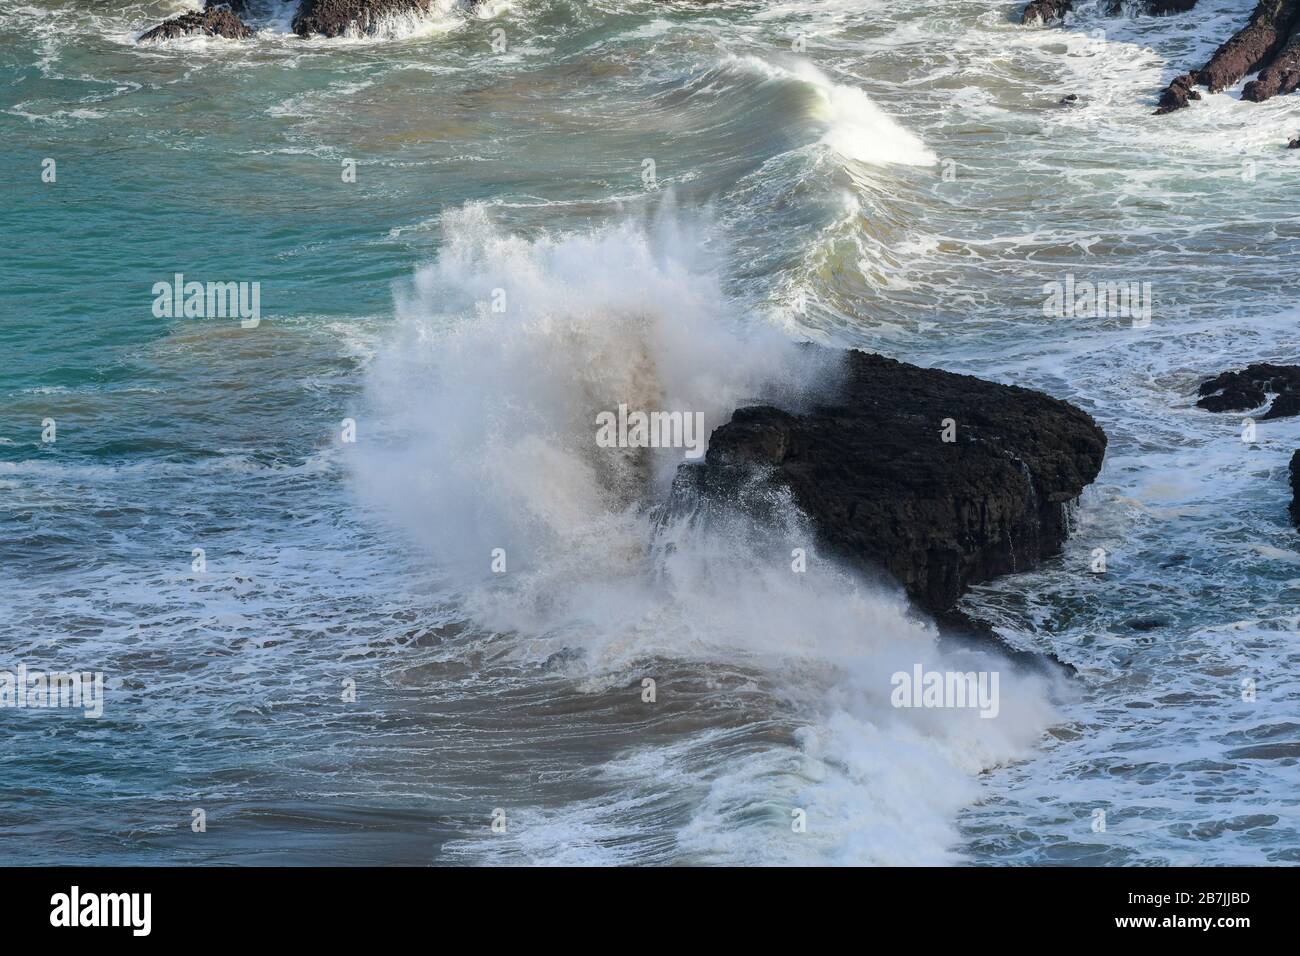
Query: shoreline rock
{"points": [[1249, 388], [883, 489], [1054, 11], [216, 19], [335, 18], [1046, 11], [1268, 43]]}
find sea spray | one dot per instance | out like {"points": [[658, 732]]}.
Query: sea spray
{"points": [[489, 449]]}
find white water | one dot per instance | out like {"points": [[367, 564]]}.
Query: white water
{"points": [[819, 169], [491, 419]]}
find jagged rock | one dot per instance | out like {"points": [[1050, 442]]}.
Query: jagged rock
{"points": [[1249, 388], [882, 489], [214, 20], [1177, 93], [1069, 99], [1046, 11], [1294, 144], [1282, 75], [334, 18], [1263, 44], [1052, 11]]}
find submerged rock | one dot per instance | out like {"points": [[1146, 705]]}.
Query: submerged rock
{"points": [[216, 19], [883, 489], [1250, 388], [1149, 622]]}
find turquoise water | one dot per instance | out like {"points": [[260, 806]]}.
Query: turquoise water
{"points": [[799, 149]]}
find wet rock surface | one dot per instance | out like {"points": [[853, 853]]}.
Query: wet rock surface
{"points": [[1250, 388], [1046, 11], [216, 19], [1268, 43], [334, 18], [883, 489]]}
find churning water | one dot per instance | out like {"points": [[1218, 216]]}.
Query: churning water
{"points": [[654, 188]]}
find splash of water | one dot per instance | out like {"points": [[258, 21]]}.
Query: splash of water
{"points": [[490, 421]]}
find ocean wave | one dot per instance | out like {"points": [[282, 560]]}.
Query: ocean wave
{"points": [[490, 443]]}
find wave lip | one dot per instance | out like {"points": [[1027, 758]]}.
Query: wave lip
{"points": [[854, 126]]}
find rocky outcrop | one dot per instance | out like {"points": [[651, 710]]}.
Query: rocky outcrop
{"points": [[328, 18], [1250, 388], [1269, 44], [871, 469], [1177, 93], [335, 18], [1266, 43], [216, 19], [1054, 11], [1282, 75], [1046, 11], [1295, 489]]}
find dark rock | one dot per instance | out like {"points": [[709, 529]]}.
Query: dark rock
{"points": [[1046, 11], [1069, 99], [1294, 144], [334, 18], [1177, 93], [1282, 75], [1052, 11], [1295, 489], [214, 20], [1262, 44], [1285, 405], [881, 489], [1250, 388], [1147, 623]]}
